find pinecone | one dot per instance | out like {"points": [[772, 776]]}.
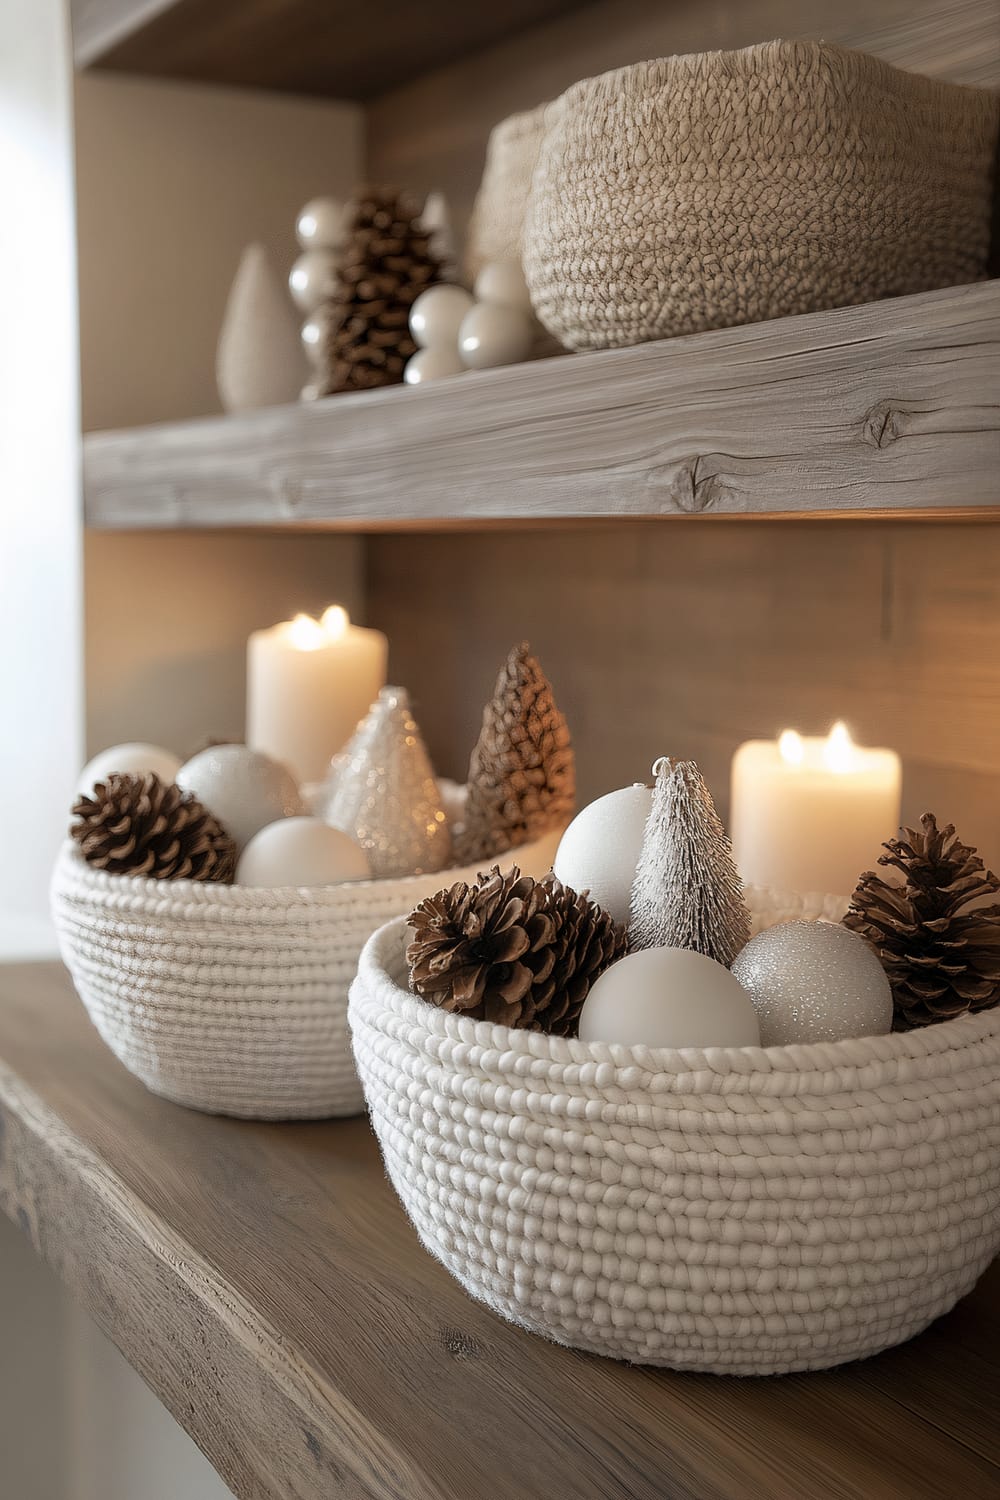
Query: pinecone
{"points": [[387, 262], [522, 774], [942, 958], [512, 950], [140, 825]]}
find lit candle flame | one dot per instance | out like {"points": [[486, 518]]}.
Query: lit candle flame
{"points": [[306, 634], [792, 750], [335, 621], [838, 752]]}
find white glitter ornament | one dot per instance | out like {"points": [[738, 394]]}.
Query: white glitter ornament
{"points": [[599, 851], [385, 796], [814, 982], [242, 788], [669, 997], [133, 759], [301, 852]]}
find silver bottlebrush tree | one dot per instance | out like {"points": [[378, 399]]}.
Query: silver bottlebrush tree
{"points": [[687, 891]]}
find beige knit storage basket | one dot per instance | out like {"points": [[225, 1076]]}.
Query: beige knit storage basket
{"points": [[228, 998], [730, 187], [742, 1211]]}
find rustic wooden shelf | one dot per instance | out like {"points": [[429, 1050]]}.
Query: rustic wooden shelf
{"points": [[264, 1281], [325, 47], [887, 407]]}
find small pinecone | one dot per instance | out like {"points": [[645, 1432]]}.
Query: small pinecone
{"points": [[140, 825], [511, 950], [388, 261], [942, 959], [522, 774]]}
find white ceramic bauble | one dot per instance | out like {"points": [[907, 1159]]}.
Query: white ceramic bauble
{"points": [[313, 278], [432, 364], [502, 283], [437, 314], [243, 788], [259, 360], [322, 224], [133, 759], [600, 849], [669, 997], [301, 851], [492, 335], [814, 982], [314, 331]]}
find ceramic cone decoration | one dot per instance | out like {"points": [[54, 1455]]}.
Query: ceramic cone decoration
{"points": [[385, 795], [260, 361], [687, 891]]}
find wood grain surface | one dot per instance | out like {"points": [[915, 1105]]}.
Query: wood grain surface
{"points": [[265, 1282], [885, 406]]}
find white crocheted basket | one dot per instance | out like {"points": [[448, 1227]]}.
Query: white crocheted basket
{"points": [[743, 1211], [227, 998]]}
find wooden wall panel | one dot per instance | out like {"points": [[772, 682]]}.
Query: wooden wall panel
{"points": [[687, 639]]}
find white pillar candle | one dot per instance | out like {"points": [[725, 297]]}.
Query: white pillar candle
{"points": [[308, 683], [809, 814]]}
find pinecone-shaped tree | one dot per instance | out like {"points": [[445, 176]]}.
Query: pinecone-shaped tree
{"points": [[938, 942], [522, 774], [388, 260], [687, 891], [513, 950]]}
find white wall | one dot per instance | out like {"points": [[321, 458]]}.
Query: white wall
{"points": [[40, 585]]}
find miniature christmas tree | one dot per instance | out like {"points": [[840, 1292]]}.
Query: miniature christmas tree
{"points": [[522, 775], [388, 260], [938, 942], [687, 891]]}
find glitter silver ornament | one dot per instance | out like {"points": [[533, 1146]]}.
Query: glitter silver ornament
{"points": [[383, 793], [814, 982]]}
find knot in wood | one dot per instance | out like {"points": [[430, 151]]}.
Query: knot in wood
{"points": [[883, 424], [691, 486]]}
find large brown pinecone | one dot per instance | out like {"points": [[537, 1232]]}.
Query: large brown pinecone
{"points": [[512, 950], [140, 825], [387, 262], [522, 774], [942, 958]]}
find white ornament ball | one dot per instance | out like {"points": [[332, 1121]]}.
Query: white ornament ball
{"points": [[669, 997], [314, 331], [814, 982], [132, 759], [600, 849], [437, 314], [322, 224], [313, 278], [301, 851], [244, 789], [432, 364], [492, 335], [502, 283]]}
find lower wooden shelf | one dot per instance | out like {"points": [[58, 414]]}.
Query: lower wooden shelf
{"points": [[265, 1282], [889, 407]]}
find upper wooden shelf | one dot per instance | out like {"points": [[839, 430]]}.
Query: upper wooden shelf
{"points": [[265, 1282], [888, 407], [334, 48]]}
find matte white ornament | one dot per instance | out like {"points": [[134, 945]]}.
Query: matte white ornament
{"points": [[243, 788], [313, 278], [492, 335], [322, 224], [600, 849], [437, 314], [259, 360], [502, 283], [133, 759], [669, 997], [314, 331], [301, 852], [814, 982], [432, 364]]}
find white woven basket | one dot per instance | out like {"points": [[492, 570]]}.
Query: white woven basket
{"points": [[743, 1211], [228, 998]]}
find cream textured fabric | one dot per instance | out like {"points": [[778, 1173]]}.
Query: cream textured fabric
{"points": [[743, 1211], [227, 998], [731, 187]]}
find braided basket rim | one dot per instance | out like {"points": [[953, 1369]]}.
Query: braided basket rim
{"points": [[496, 1049]]}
